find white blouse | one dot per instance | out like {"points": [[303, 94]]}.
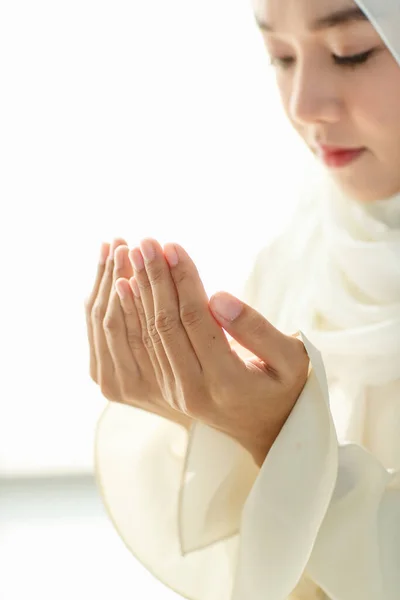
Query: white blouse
{"points": [[319, 520]]}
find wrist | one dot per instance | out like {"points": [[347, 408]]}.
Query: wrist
{"points": [[258, 450], [259, 455]]}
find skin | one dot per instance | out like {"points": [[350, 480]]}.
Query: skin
{"points": [[338, 105], [166, 351]]}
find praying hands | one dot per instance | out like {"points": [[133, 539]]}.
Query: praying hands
{"points": [[158, 343]]}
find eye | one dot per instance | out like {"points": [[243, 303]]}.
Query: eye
{"points": [[344, 61], [354, 60], [283, 62]]}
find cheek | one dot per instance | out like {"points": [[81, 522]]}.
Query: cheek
{"points": [[390, 105], [377, 111], [376, 101]]}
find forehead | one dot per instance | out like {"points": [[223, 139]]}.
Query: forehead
{"points": [[313, 15]]}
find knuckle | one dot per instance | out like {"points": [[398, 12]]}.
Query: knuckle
{"points": [[191, 315], [130, 310], [135, 340], [180, 275], [98, 312], [147, 341], [166, 321], [110, 324], [257, 327], [144, 284], [152, 331], [156, 274]]}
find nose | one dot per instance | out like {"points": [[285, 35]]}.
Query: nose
{"points": [[314, 96]]}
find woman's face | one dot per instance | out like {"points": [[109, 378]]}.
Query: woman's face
{"points": [[333, 103]]}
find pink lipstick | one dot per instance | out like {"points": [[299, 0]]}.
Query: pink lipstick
{"points": [[338, 157]]}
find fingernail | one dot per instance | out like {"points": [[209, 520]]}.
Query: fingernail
{"points": [[171, 255], [148, 250], [104, 251], [137, 259], [119, 260], [228, 307], [112, 250]]}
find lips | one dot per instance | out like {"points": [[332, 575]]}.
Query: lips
{"points": [[337, 149], [333, 156]]}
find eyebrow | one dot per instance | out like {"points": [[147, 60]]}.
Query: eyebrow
{"points": [[335, 19]]}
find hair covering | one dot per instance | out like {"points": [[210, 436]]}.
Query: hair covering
{"points": [[348, 300], [308, 521], [385, 17]]}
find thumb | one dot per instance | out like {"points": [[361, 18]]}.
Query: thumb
{"points": [[250, 328]]}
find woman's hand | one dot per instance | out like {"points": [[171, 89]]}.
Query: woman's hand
{"points": [[199, 373], [121, 356]]}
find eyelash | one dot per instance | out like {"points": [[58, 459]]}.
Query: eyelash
{"points": [[349, 62]]}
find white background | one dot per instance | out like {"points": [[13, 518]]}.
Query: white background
{"points": [[152, 118], [127, 119]]}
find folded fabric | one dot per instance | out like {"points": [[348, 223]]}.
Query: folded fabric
{"points": [[205, 521]]}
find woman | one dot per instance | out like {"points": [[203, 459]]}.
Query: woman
{"points": [[307, 507]]}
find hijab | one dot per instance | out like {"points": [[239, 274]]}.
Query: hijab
{"points": [[334, 273], [344, 292]]}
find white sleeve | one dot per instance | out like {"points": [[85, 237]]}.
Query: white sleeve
{"points": [[316, 508], [203, 519]]}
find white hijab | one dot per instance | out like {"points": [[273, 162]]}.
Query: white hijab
{"points": [[345, 278]]}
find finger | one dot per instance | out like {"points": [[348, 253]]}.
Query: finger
{"points": [[145, 308], [101, 265], [253, 331], [105, 365], [147, 363], [104, 251], [122, 264], [205, 334], [121, 322], [175, 342], [131, 353]]}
